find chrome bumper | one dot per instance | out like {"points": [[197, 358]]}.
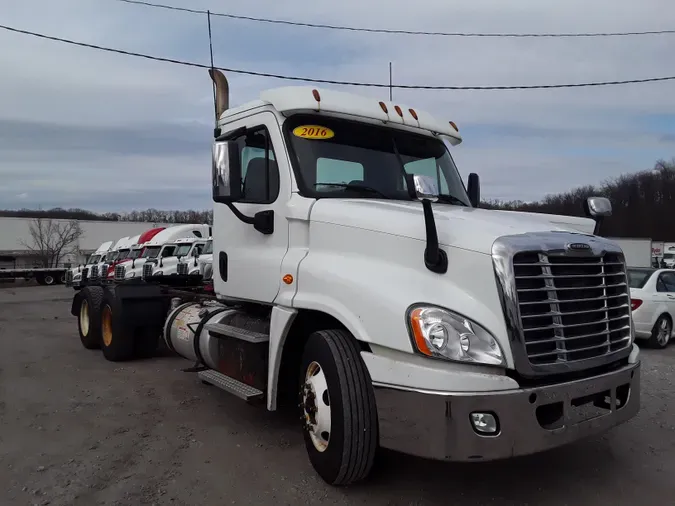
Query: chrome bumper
{"points": [[438, 425]]}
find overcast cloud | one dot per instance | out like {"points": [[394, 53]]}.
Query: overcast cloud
{"points": [[84, 128]]}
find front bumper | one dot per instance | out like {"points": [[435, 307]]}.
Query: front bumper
{"points": [[438, 425]]}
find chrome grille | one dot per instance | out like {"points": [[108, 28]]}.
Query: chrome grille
{"points": [[572, 308], [93, 273], [182, 268], [119, 271], [147, 269]]}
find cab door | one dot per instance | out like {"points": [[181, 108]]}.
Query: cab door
{"points": [[247, 262]]}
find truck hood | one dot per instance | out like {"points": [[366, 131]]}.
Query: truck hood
{"points": [[458, 226]]}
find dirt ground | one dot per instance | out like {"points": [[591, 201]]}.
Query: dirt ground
{"points": [[78, 430]]}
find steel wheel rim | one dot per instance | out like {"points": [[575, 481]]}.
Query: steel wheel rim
{"points": [[664, 332], [106, 325], [316, 406], [84, 318], [49, 279]]}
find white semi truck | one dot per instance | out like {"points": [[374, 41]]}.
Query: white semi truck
{"points": [[354, 273]]}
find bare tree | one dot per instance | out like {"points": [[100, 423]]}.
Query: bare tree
{"points": [[52, 240]]}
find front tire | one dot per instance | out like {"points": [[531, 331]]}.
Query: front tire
{"points": [[338, 407], [663, 329]]}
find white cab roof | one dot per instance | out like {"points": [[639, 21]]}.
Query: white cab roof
{"points": [[294, 99], [103, 247], [172, 234]]}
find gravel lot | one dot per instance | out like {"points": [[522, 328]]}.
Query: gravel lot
{"points": [[78, 430]]}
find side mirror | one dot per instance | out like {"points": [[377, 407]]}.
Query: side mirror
{"points": [[473, 189], [226, 172], [597, 208], [425, 188]]}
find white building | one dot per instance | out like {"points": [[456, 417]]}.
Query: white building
{"points": [[15, 234]]}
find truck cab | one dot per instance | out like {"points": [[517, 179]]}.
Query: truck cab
{"points": [[74, 275], [197, 260], [187, 250], [466, 330]]}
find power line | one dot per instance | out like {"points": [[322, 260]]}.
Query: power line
{"points": [[331, 81], [393, 31]]}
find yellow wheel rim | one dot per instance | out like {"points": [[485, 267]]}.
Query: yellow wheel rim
{"points": [[84, 317], [106, 325]]}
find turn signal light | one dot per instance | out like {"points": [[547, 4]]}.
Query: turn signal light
{"points": [[634, 304], [383, 106]]}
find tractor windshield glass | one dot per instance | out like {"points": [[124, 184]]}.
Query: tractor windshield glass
{"points": [[348, 159], [208, 249], [182, 250], [151, 252]]}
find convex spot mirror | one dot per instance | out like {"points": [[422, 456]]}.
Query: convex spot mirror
{"points": [[597, 207], [226, 173], [425, 188]]}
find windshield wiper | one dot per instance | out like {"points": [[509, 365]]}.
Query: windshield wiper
{"points": [[355, 187], [450, 199]]}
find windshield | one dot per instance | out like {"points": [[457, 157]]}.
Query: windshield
{"points": [[93, 259], [122, 254], [208, 249], [369, 161], [182, 250], [638, 277], [151, 252], [135, 253], [668, 256]]}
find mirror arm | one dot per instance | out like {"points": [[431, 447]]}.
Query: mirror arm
{"points": [[262, 221], [246, 219], [435, 259]]}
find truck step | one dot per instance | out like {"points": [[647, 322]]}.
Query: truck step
{"points": [[220, 329], [231, 385]]}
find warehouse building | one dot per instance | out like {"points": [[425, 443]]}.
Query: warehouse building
{"points": [[17, 246]]}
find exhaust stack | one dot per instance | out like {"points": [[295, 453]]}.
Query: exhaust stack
{"points": [[222, 91]]}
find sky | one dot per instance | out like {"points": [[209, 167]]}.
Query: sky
{"points": [[106, 132]]}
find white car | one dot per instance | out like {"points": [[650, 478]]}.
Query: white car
{"points": [[652, 300]]}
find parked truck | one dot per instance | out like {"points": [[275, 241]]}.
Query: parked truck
{"points": [[637, 251], [357, 280]]}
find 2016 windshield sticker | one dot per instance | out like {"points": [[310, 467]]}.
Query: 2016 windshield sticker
{"points": [[313, 132]]}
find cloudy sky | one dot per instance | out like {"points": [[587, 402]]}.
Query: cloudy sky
{"points": [[80, 127]]}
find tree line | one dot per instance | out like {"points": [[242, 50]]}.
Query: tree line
{"points": [[147, 216], [643, 203], [643, 206]]}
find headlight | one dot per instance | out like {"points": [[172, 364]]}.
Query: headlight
{"points": [[440, 333], [131, 274], [158, 273]]}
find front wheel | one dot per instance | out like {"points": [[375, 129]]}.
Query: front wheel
{"points": [[338, 407], [663, 328]]}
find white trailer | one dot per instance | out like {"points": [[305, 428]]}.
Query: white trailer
{"points": [[356, 278], [638, 252]]}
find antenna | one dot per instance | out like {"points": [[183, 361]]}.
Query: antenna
{"points": [[391, 84]]}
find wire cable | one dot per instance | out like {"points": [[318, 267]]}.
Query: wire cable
{"points": [[331, 81], [394, 31]]}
